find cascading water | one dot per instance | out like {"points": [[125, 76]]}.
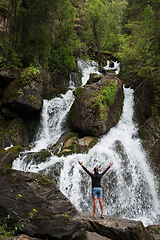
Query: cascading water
{"points": [[128, 187]]}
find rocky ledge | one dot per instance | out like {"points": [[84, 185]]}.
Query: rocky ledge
{"points": [[51, 215]]}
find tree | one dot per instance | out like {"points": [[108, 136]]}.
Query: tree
{"points": [[64, 38], [139, 47], [101, 20]]}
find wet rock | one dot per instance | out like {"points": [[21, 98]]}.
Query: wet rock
{"points": [[53, 215], [114, 228], [70, 143], [26, 101], [8, 156], [149, 130], [97, 108], [8, 113], [154, 231], [150, 135], [16, 131], [24, 94], [22, 237], [55, 84], [94, 77]]}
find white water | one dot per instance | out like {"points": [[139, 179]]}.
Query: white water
{"points": [[128, 187]]}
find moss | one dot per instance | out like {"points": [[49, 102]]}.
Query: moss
{"points": [[16, 87], [12, 91], [44, 155], [13, 150], [8, 165], [153, 230], [71, 135], [93, 142], [78, 91], [66, 216], [104, 99], [45, 181], [30, 74]]}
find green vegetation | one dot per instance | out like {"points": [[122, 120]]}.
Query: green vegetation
{"points": [[53, 34], [154, 230], [106, 97], [66, 216], [78, 91], [30, 74], [45, 181], [31, 98], [8, 231]]}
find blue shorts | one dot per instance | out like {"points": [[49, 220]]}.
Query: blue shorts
{"points": [[96, 191]]}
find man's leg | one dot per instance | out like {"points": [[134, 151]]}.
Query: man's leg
{"points": [[94, 205], [101, 204]]}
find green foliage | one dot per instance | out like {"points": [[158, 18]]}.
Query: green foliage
{"points": [[66, 216], [106, 97], [62, 60], [20, 91], [102, 24], [12, 231], [138, 47], [78, 91], [30, 74], [65, 41], [31, 98], [14, 60]]}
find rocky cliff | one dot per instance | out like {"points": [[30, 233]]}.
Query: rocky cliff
{"points": [[51, 215]]}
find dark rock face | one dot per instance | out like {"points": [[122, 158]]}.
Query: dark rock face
{"points": [[150, 135], [86, 118], [25, 100], [149, 130], [117, 229], [7, 76], [55, 213], [55, 84], [8, 156]]}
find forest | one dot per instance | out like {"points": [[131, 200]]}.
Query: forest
{"points": [[52, 34]]}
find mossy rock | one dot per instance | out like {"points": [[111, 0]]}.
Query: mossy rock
{"points": [[24, 94], [45, 181], [8, 156]]}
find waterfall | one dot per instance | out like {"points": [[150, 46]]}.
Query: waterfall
{"points": [[129, 187]]}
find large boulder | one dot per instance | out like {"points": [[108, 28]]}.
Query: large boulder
{"points": [[16, 131], [24, 94], [97, 106], [38, 199]]}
